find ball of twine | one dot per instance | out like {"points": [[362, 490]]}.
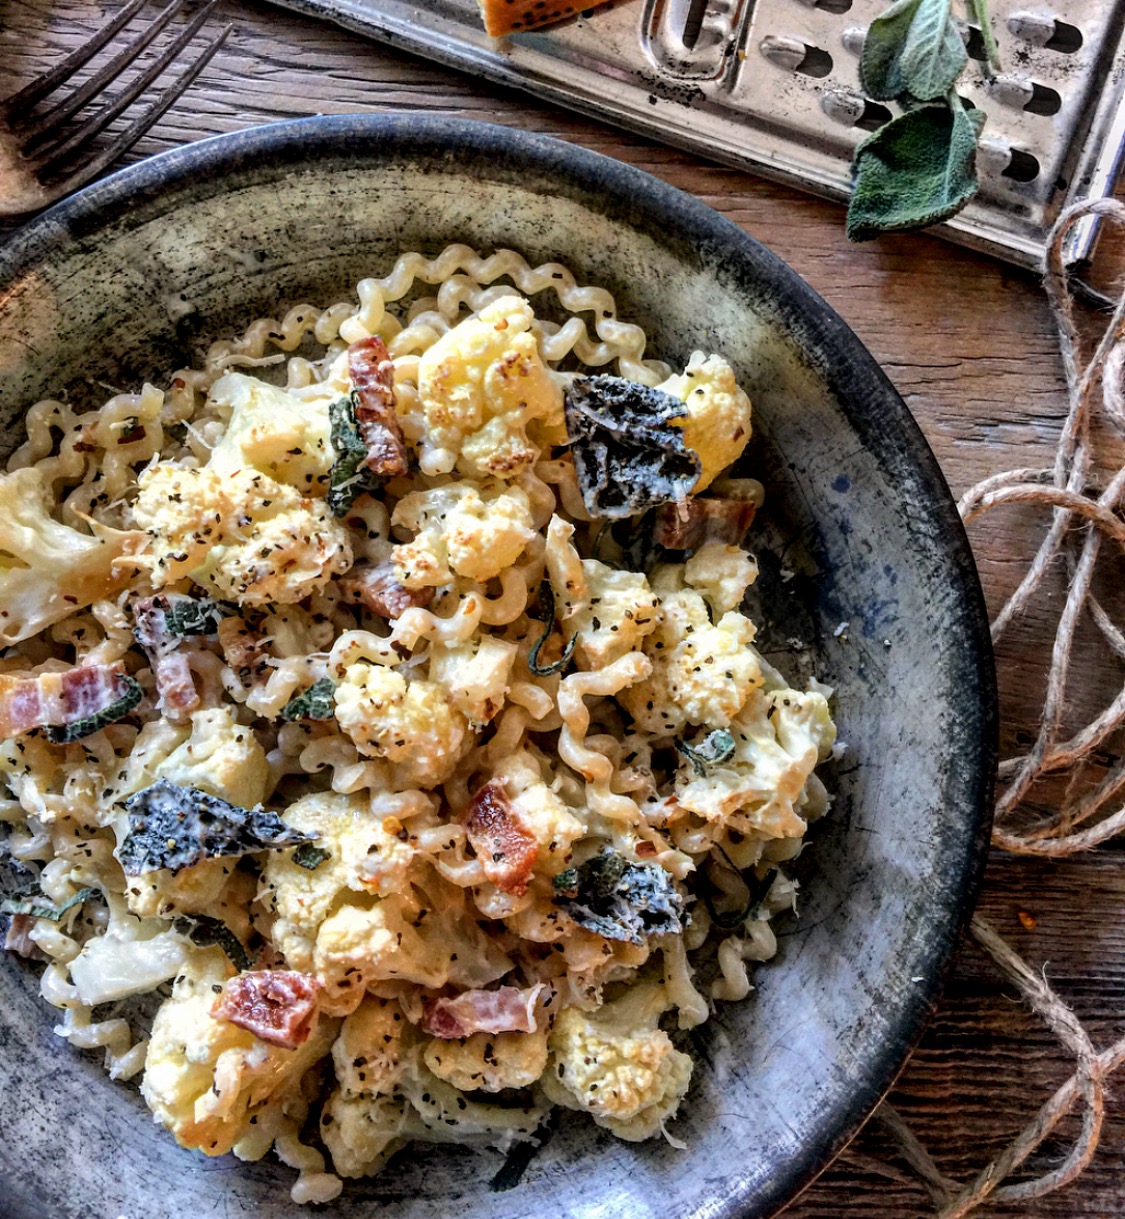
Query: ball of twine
{"points": [[1083, 516]]}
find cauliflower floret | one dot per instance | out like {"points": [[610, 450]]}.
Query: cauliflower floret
{"points": [[207, 1080], [618, 1065], [410, 723], [367, 1055], [49, 571], [475, 530], [221, 757], [480, 386], [701, 673], [284, 437], [363, 1132], [539, 810], [718, 413], [722, 574], [363, 915], [423, 937], [474, 675], [619, 610], [365, 857], [224, 759], [488, 1061], [779, 736], [240, 534]]}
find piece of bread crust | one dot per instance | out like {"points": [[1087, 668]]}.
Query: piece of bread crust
{"points": [[510, 16]]}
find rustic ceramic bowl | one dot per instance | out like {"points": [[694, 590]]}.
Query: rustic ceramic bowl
{"points": [[131, 278]]}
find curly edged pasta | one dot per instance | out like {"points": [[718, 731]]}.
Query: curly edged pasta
{"points": [[389, 696]]}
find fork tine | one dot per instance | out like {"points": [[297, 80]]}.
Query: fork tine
{"points": [[102, 119], [29, 132], [133, 133], [42, 85]]}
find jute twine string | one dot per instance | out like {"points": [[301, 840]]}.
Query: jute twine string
{"points": [[1082, 517]]}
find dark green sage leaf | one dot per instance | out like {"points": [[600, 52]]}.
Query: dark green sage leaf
{"points": [[39, 907], [310, 856], [621, 900], [348, 478], [318, 702], [130, 694], [205, 931], [933, 54], [195, 616], [546, 614], [916, 170], [880, 69], [715, 749]]}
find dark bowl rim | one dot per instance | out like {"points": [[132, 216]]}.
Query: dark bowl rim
{"points": [[251, 153]]}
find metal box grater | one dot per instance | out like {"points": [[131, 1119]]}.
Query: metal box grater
{"points": [[772, 86]]}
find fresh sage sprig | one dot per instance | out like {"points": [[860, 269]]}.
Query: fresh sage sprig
{"points": [[920, 167]]}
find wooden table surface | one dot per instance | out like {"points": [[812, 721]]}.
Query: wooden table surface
{"points": [[971, 346]]}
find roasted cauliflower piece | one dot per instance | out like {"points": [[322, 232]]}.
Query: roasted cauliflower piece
{"points": [[539, 810], [618, 1065], [475, 530], [48, 571], [779, 736], [701, 673], [617, 612], [365, 858], [718, 413], [474, 675], [368, 1054], [722, 574], [207, 1080], [239, 534], [411, 723], [489, 1062], [480, 386], [271, 431]]}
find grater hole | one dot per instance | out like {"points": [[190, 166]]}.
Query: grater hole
{"points": [[1044, 100], [1023, 167], [693, 24], [835, 7], [974, 44], [816, 63], [873, 117], [1066, 38], [796, 56]]}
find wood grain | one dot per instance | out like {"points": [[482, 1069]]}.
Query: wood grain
{"points": [[971, 346]]}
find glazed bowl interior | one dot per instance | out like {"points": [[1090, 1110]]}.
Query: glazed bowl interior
{"points": [[867, 582]]}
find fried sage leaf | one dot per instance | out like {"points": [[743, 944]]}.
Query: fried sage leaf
{"points": [[175, 827], [547, 615], [310, 856], [129, 694], [349, 477], [206, 931], [39, 907], [620, 900], [318, 702], [716, 748], [627, 453]]}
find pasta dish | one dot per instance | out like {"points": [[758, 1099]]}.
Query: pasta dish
{"points": [[385, 750]]}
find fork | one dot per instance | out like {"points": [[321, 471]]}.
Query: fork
{"points": [[38, 152]]}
